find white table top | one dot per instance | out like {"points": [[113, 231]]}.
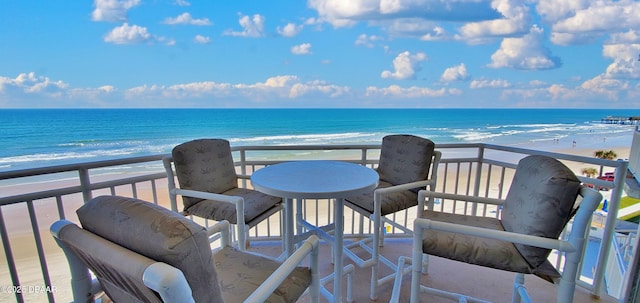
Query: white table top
{"points": [[315, 179]]}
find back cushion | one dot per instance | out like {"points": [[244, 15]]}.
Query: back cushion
{"points": [[405, 159], [540, 202], [204, 165], [159, 234]]}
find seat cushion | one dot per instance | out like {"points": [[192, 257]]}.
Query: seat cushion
{"points": [[391, 203], [540, 202], [405, 159], [241, 273], [204, 165], [474, 250], [159, 234], [255, 205]]}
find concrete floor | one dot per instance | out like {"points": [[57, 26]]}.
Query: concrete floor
{"points": [[487, 284]]}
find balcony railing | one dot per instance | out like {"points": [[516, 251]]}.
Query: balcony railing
{"points": [[34, 269]]}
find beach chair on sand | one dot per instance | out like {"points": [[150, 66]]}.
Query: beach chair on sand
{"points": [[208, 184], [544, 196], [141, 252], [407, 164]]}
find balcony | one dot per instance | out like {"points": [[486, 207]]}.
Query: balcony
{"points": [[32, 199]]}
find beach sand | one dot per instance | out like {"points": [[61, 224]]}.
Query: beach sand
{"points": [[22, 235]]}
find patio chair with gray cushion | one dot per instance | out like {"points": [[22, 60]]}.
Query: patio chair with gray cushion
{"points": [[407, 164], [208, 184], [141, 252], [544, 196]]}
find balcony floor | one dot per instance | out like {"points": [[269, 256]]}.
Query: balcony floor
{"points": [[483, 283]]}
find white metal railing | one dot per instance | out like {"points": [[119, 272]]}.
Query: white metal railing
{"points": [[30, 200]]}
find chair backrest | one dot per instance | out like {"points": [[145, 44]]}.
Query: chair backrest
{"points": [[87, 248], [541, 200], [157, 233], [204, 165], [405, 159]]}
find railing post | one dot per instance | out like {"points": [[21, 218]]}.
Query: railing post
{"points": [[631, 288], [612, 216], [476, 186], [243, 166], [85, 183]]}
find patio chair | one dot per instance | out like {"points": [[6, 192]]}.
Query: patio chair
{"points": [[208, 184], [142, 252], [407, 164], [544, 196]]}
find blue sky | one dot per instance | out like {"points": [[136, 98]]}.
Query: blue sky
{"points": [[320, 53]]}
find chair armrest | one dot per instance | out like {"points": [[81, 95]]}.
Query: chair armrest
{"points": [[310, 246], [208, 196], [169, 282], [222, 228], [431, 194], [401, 187], [421, 224], [83, 286]]}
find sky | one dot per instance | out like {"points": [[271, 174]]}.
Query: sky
{"points": [[320, 54]]}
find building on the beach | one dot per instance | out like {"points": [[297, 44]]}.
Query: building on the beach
{"points": [[632, 187], [633, 120]]}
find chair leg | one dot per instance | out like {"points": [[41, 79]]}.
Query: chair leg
{"points": [[242, 232], [518, 286], [416, 273], [375, 245]]}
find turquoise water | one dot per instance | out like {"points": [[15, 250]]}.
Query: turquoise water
{"points": [[44, 137]]}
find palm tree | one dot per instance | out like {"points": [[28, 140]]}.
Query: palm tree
{"points": [[589, 171], [602, 154], [609, 155]]}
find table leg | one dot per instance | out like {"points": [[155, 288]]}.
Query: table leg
{"points": [[288, 226], [337, 249]]}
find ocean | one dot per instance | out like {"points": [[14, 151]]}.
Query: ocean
{"points": [[45, 137]]}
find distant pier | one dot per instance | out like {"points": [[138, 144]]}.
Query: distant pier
{"points": [[635, 120]]}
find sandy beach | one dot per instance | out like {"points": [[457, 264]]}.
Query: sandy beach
{"points": [[22, 239]]}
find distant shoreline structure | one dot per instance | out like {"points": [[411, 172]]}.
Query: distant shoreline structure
{"points": [[633, 120]]}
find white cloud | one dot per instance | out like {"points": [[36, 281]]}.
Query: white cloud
{"points": [[585, 22], [455, 73], [290, 30], [302, 49], [112, 10], [405, 66], [630, 36], [126, 34], [409, 92], [436, 34], [367, 40], [183, 3], [525, 53], [625, 61], [485, 83], [554, 10], [412, 27], [185, 18], [253, 27], [340, 13], [202, 39], [30, 83], [286, 86], [516, 21]]}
